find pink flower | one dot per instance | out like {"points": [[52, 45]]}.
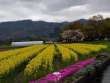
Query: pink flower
{"points": [[32, 81], [63, 73]]}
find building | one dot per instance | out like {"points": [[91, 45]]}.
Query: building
{"points": [[26, 43]]}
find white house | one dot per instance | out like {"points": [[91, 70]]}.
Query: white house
{"points": [[26, 43]]}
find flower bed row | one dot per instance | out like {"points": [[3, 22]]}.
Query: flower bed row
{"points": [[91, 72], [63, 73]]}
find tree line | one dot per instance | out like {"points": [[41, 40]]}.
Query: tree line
{"points": [[95, 28]]}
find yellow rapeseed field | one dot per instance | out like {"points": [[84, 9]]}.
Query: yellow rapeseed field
{"points": [[44, 59], [67, 54], [13, 52], [9, 65], [85, 49]]}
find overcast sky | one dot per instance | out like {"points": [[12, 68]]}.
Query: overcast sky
{"points": [[52, 10]]}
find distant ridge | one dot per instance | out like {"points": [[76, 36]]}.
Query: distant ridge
{"points": [[25, 29]]}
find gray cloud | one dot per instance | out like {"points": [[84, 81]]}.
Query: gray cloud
{"points": [[55, 5], [99, 5], [52, 10]]}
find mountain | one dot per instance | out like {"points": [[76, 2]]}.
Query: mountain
{"points": [[83, 21], [28, 29]]}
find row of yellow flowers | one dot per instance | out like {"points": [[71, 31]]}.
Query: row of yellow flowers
{"points": [[92, 47], [44, 59], [9, 65], [85, 48], [13, 52], [67, 54]]}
